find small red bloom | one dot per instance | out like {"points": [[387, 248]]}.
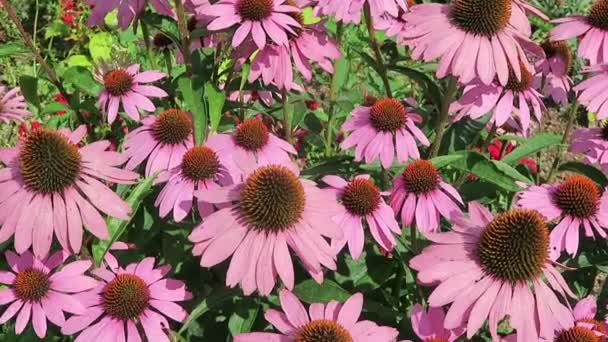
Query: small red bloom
{"points": [[312, 105]]}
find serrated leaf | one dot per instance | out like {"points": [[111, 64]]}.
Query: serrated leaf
{"points": [[310, 292], [531, 146], [485, 169], [216, 99], [117, 227], [510, 171], [82, 79], [587, 170]]}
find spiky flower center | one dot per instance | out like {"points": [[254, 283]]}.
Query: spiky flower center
{"points": [[481, 17], [420, 177], [118, 82], [387, 115], [515, 246], [126, 297], [49, 162], [605, 130], [598, 15], [173, 126], [272, 199], [560, 50], [577, 334], [255, 10], [578, 196], [520, 85], [597, 325], [200, 163], [251, 135], [322, 330], [31, 285], [361, 197]]}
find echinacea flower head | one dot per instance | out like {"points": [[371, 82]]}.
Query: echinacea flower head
{"points": [[519, 19], [593, 143], [553, 71], [591, 29], [12, 105], [382, 128], [161, 140], [51, 186], [270, 212], [262, 19], [333, 322], [251, 143], [472, 39], [422, 197], [517, 97], [591, 92], [127, 10], [128, 301], [306, 46], [428, 325], [361, 201], [575, 202], [585, 311], [585, 327], [35, 290], [200, 169], [489, 267], [351, 11], [125, 85]]}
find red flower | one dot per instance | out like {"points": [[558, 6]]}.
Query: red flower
{"points": [[312, 105], [23, 130]]}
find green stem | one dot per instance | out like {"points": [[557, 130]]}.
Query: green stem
{"points": [[571, 118], [146, 33], [374, 42], [286, 116], [414, 237], [329, 130], [444, 115], [168, 61], [184, 35], [35, 31]]}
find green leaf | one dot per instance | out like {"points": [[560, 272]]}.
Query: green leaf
{"points": [[443, 161], [193, 94], [79, 60], [117, 227], [82, 79], [309, 17], [242, 320], [216, 99], [531, 146], [587, 170], [510, 171], [426, 82], [460, 135], [212, 300], [100, 46], [29, 89], [57, 29], [311, 292], [12, 48], [342, 66], [54, 108], [489, 171]]}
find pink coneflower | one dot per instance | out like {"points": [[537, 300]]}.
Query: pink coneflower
{"points": [[472, 38], [124, 86], [489, 267], [591, 29], [127, 10], [592, 92], [553, 72], [519, 19], [52, 186], [585, 327], [382, 127], [251, 143], [577, 201], [422, 197], [162, 140], [12, 105], [429, 325], [321, 322], [350, 11], [35, 290], [262, 18], [127, 301], [308, 45], [271, 211], [516, 97], [593, 143], [362, 200], [199, 170]]}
